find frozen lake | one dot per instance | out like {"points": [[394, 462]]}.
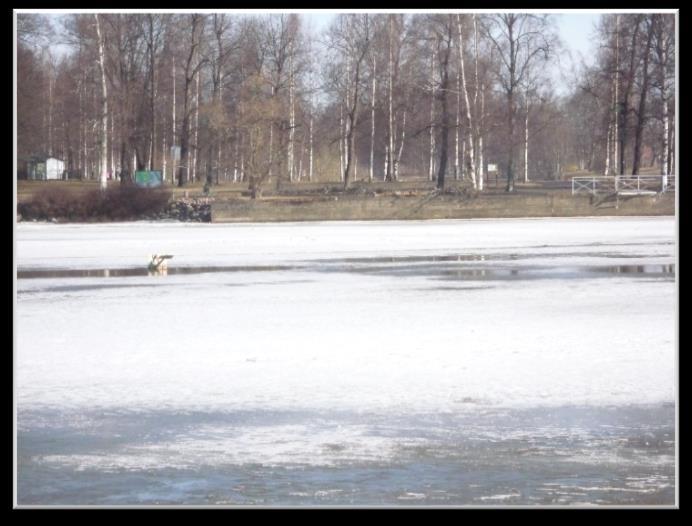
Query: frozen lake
{"points": [[461, 362]]}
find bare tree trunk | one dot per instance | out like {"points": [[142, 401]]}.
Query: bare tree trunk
{"points": [[352, 120], [85, 156], [302, 154], [355, 163], [389, 171], [624, 105], [469, 118], [104, 108], [235, 159], [609, 136], [386, 161], [311, 151], [50, 107], [341, 141], [79, 129], [173, 129], [292, 115], [271, 141], [190, 72], [510, 153], [477, 136], [665, 153], [481, 160], [431, 172], [616, 134], [662, 52], [641, 113], [463, 161], [152, 91], [164, 155], [372, 119], [444, 124], [397, 162], [242, 160], [112, 144], [458, 126], [672, 145], [526, 141], [347, 124], [195, 150]]}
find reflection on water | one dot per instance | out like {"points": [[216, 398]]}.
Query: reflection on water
{"points": [[141, 271], [440, 266]]}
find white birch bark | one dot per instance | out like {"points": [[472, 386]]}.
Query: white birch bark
{"points": [[477, 139], [609, 135], [526, 126], [526, 144], [311, 151], [397, 162], [242, 160], [292, 116], [469, 118], [666, 120], [50, 111], [195, 150], [672, 145], [302, 154], [355, 164], [104, 108], [386, 158], [85, 155], [112, 146], [458, 127], [174, 164], [346, 121], [164, 155], [617, 87], [235, 160], [431, 172], [389, 168], [481, 160], [271, 142], [372, 119], [341, 141]]}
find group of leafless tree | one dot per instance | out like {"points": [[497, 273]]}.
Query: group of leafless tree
{"points": [[229, 97]]}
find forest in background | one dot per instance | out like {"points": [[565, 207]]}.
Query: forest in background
{"points": [[374, 96]]}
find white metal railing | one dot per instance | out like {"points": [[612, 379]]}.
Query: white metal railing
{"points": [[670, 185], [639, 184], [593, 185], [623, 184]]}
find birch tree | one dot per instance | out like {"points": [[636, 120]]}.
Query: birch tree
{"points": [[104, 106], [469, 118], [192, 66], [350, 35], [510, 34]]}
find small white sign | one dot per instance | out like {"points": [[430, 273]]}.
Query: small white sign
{"points": [[175, 153], [492, 168]]}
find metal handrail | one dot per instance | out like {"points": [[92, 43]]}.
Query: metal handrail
{"points": [[592, 184], [622, 183]]}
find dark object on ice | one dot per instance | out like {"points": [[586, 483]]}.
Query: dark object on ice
{"points": [[159, 262]]}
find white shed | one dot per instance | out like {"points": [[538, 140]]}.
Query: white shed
{"points": [[54, 168], [44, 168]]}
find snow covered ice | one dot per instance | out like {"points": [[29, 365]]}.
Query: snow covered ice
{"points": [[348, 346]]}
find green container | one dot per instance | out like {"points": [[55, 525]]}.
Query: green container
{"points": [[148, 178]]}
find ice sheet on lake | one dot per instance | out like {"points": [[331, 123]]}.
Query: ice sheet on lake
{"points": [[127, 244], [303, 339]]}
